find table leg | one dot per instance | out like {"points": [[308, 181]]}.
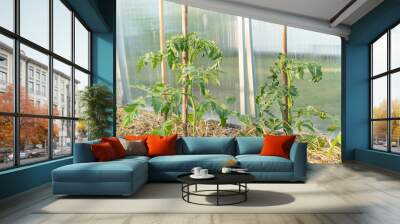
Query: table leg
{"points": [[188, 189], [182, 189], [245, 193], [217, 194], [195, 188]]}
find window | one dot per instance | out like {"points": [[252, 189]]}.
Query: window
{"points": [[6, 142], [395, 47], [7, 14], [6, 73], [40, 62], [62, 137], [34, 145], [3, 78], [385, 94], [44, 91], [30, 87], [3, 61], [46, 131], [3, 72], [61, 73], [30, 72], [81, 45], [37, 75], [81, 82], [37, 89], [35, 21], [62, 29], [379, 56]]}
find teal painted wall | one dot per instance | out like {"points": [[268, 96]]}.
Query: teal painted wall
{"points": [[356, 126], [91, 11], [103, 63], [24, 178], [103, 53]]}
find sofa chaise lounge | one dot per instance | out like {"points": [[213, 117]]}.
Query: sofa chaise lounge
{"points": [[125, 176]]}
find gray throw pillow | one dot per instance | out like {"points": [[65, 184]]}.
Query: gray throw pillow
{"points": [[137, 147]]}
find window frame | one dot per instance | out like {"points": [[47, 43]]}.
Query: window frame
{"points": [[388, 74], [18, 40]]}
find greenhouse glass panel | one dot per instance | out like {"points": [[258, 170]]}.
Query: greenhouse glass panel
{"points": [[324, 49], [137, 33], [267, 44], [222, 29]]}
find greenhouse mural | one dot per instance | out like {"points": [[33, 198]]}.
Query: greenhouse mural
{"points": [[242, 79]]}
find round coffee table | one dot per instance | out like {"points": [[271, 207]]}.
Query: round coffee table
{"points": [[238, 179]]}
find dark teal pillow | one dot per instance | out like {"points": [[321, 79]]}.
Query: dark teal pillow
{"points": [[83, 152], [208, 145], [249, 145]]}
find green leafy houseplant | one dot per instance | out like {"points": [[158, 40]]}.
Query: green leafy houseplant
{"points": [[97, 109]]}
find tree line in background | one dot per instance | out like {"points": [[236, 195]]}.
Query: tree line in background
{"points": [[380, 128]]}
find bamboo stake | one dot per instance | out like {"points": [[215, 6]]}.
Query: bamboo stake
{"points": [[285, 113], [162, 47], [162, 40], [184, 11]]}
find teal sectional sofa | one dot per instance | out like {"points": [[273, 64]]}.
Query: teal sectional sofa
{"points": [[125, 176]]}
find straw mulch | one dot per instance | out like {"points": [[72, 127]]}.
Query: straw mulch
{"points": [[148, 121]]}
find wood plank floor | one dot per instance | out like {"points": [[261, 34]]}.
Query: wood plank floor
{"points": [[377, 188]]}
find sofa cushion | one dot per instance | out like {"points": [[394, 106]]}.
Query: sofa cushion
{"points": [[134, 147], [116, 145], [277, 145], [133, 158], [103, 152], [185, 163], [207, 145], [249, 145], [136, 137], [257, 163], [112, 171], [161, 145]]}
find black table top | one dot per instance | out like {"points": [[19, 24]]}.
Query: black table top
{"points": [[220, 178]]}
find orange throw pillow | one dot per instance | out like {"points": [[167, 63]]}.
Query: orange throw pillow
{"points": [[103, 152], [277, 145], [161, 145], [116, 145]]}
